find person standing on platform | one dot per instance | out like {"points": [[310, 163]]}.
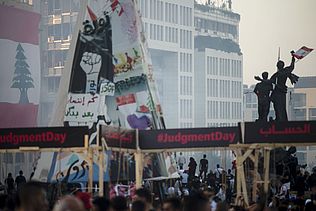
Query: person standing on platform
{"points": [[203, 167], [19, 180], [181, 161]]}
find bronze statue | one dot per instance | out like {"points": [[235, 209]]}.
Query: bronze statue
{"points": [[278, 96]]}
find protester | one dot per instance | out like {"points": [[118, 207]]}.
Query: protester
{"points": [[181, 161], [196, 202], [144, 195], [101, 204], [69, 203], [138, 206], [203, 167], [172, 204], [9, 184], [19, 180], [32, 197], [119, 203]]}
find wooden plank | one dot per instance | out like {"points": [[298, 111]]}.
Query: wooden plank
{"points": [[255, 172], [101, 172], [90, 177], [266, 169]]}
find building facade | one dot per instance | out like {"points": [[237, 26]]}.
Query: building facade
{"points": [[218, 67], [176, 33], [304, 109], [57, 25]]}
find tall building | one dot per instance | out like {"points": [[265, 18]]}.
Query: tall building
{"points": [[57, 25], [169, 26], [218, 66], [304, 109], [188, 42]]}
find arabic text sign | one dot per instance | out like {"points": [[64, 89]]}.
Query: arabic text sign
{"points": [[188, 138], [82, 108], [53, 137], [280, 132], [118, 137]]}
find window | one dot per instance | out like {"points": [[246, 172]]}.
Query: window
{"points": [[299, 99], [53, 84], [300, 114], [312, 114]]}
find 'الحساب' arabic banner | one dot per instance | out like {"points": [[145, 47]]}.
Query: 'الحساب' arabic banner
{"points": [[280, 132]]}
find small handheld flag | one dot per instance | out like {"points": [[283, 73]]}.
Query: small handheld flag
{"points": [[302, 52]]}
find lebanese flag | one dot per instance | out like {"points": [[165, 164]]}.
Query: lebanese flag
{"points": [[20, 67], [302, 52]]}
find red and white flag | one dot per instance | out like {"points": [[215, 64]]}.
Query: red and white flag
{"points": [[20, 67], [302, 52]]}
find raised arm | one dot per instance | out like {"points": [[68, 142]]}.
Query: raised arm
{"points": [[291, 67]]}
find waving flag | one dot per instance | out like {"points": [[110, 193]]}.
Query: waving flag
{"points": [[20, 67], [302, 52]]}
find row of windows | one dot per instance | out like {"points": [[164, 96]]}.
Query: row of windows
{"points": [[62, 6], [186, 109], [236, 110], [225, 67], [212, 87], [236, 68], [236, 89], [300, 114], [222, 124], [171, 13], [156, 32], [216, 26], [223, 110], [224, 88], [186, 62], [185, 16], [60, 31], [156, 10], [186, 39], [186, 125], [171, 34], [186, 85], [56, 58]]}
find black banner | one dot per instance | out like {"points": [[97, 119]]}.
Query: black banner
{"points": [[280, 132], [46, 137], [188, 138], [118, 137]]}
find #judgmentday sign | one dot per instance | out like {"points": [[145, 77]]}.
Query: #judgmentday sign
{"points": [[52, 137]]}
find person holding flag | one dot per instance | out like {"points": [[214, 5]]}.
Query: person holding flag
{"points": [[278, 96]]}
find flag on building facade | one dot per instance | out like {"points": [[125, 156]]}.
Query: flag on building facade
{"points": [[20, 67]]}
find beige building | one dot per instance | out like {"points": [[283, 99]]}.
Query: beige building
{"points": [[304, 109]]}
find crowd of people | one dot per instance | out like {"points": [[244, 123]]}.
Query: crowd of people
{"points": [[209, 190]]}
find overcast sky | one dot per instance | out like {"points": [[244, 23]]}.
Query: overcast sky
{"points": [[266, 25]]}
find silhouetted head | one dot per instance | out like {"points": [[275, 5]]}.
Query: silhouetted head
{"points": [[10, 175], [204, 156], [191, 159], [217, 166], [180, 153], [265, 75], [280, 64], [21, 172]]}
